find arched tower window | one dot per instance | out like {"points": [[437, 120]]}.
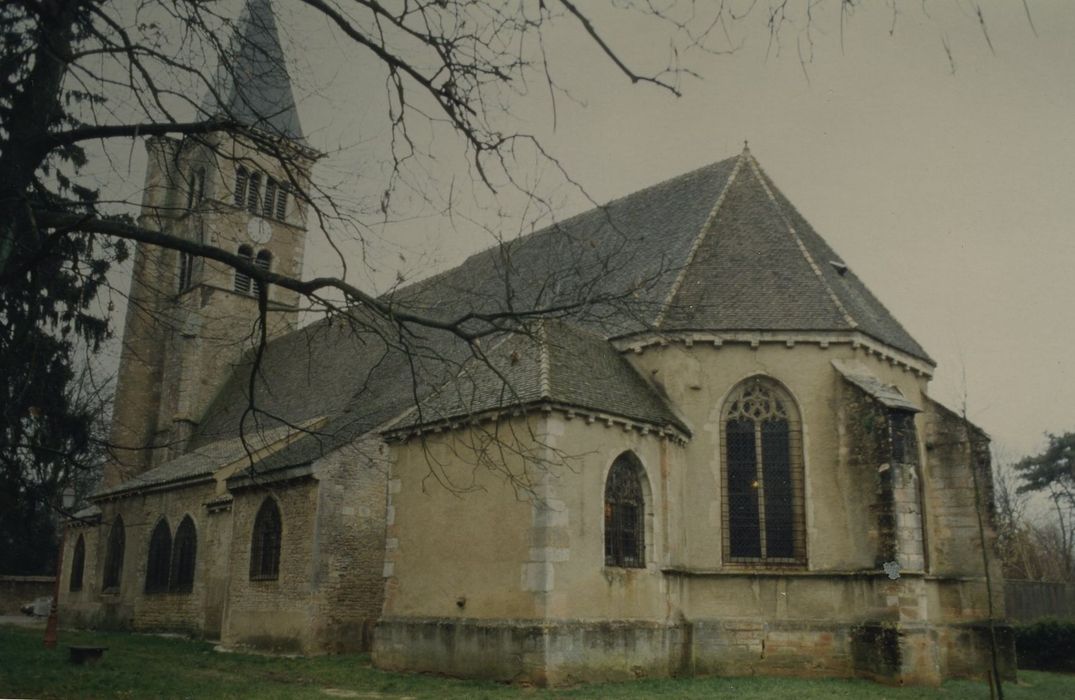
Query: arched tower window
{"points": [[159, 563], [253, 192], [762, 476], [78, 563], [184, 554], [625, 513], [270, 197], [242, 280], [281, 201], [265, 543], [241, 178], [117, 540]]}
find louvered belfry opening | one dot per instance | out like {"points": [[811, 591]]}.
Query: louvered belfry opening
{"points": [[762, 475], [265, 543], [625, 513]]}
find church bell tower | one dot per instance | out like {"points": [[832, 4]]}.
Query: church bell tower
{"points": [[191, 320]]}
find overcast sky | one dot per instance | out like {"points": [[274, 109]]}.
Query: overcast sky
{"points": [[948, 193]]}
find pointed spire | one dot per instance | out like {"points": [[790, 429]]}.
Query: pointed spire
{"points": [[253, 86]]}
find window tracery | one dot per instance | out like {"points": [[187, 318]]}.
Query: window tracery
{"points": [[763, 513], [114, 556], [184, 555], [625, 512]]}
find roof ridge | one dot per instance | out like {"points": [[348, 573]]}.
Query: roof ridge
{"points": [[698, 240], [543, 350], [799, 243]]}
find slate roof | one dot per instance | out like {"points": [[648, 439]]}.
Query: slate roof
{"points": [[253, 86], [715, 249], [555, 363]]}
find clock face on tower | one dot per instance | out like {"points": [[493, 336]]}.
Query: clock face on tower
{"points": [[259, 230]]}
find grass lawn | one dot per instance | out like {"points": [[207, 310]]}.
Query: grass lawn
{"points": [[143, 666]]}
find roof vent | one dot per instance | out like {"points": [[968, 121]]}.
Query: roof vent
{"points": [[840, 267]]}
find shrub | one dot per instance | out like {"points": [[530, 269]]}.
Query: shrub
{"points": [[1046, 645]]}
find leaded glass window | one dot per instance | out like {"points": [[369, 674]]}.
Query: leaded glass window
{"points": [[114, 556], [184, 554], [763, 512], [625, 513], [159, 562], [265, 543]]}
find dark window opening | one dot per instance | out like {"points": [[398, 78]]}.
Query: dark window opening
{"points": [[184, 554], [78, 563], [242, 280], [159, 563], [265, 543], [625, 512], [114, 556]]}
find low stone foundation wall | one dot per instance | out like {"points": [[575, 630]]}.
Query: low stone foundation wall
{"points": [[568, 651], [16, 591]]}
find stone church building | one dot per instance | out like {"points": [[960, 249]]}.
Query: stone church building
{"points": [[714, 452]]}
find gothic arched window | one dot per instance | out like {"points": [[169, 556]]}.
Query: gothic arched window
{"points": [[253, 192], [241, 177], [625, 513], [159, 563], [117, 540], [242, 280], [184, 554], [78, 563], [762, 476], [265, 543]]}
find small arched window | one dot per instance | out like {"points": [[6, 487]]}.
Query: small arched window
{"points": [[242, 280], [762, 476], [625, 513], [253, 192], [265, 543], [241, 178], [270, 197], [281, 201], [117, 540], [184, 554], [186, 271], [159, 563], [78, 563]]}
